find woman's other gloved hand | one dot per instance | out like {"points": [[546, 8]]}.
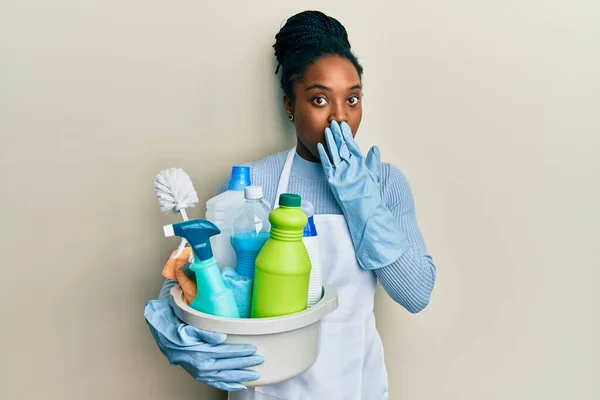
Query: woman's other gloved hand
{"points": [[201, 353], [356, 184]]}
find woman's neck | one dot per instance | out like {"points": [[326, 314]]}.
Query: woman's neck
{"points": [[304, 153]]}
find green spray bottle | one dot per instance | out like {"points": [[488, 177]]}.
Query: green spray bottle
{"points": [[212, 297], [282, 273]]}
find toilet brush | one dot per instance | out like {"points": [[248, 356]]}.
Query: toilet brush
{"points": [[175, 192]]}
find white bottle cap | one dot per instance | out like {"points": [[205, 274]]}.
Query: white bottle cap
{"points": [[253, 192]]}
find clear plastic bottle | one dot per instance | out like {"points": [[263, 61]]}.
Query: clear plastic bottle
{"points": [[250, 230], [221, 211]]}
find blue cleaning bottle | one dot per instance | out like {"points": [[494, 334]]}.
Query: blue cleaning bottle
{"points": [[250, 230], [311, 242], [212, 297]]}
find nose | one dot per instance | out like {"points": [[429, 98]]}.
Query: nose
{"points": [[338, 113]]}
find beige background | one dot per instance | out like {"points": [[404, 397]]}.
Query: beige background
{"points": [[492, 111]]}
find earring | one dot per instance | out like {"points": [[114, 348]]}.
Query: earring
{"points": [[291, 117]]}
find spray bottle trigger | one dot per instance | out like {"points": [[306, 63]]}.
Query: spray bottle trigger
{"points": [[168, 230]]}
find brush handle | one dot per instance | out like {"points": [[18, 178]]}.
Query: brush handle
{"points": [[183, 241], [183, 214]]}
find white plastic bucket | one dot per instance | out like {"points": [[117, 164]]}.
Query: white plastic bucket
{"points": [[289, 344]]}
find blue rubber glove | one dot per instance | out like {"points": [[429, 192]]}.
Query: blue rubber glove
{"points": [[355, 181], [201, 353]]}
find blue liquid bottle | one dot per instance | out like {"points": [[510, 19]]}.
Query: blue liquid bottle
{"points": [[250, 230]]}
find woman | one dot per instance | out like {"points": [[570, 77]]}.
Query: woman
{"points": [[366, 220]]}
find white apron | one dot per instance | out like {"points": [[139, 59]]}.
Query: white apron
{"points": [[350, 365]]}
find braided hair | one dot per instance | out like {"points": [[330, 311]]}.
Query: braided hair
{"points": [[304, 39]]}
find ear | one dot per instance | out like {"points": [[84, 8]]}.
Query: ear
{"points": [[287, 104]]}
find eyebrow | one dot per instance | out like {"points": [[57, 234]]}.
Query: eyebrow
{"points": [[319, 86]]}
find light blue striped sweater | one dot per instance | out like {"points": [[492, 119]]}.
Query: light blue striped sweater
{"points": [[409, 280]]}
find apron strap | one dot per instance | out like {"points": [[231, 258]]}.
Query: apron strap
{"points": [[284, 179]]}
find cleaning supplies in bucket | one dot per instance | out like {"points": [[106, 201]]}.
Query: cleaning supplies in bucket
{"points": [[213, 296], [178, 269], [311, 242], [250, 230], [282, 272], [222, 209]]}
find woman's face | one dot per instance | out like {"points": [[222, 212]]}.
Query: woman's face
{"points": [[330, 90]]}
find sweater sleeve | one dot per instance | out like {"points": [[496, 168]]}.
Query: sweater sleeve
{"points": [[409, 280], [166, 289]]}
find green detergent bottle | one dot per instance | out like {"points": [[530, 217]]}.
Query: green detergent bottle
{"points": [[282, 273]]}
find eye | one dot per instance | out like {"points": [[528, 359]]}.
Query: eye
{"points": [[353, 100], [319, 101]]}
